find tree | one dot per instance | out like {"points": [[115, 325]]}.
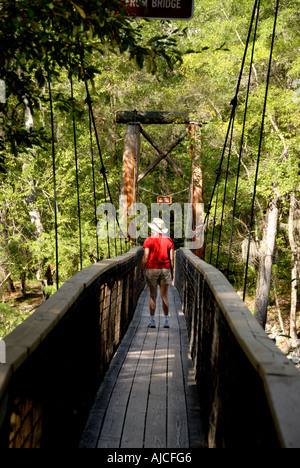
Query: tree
{"points": [[266, 261], [54, 42], [39, 39], [295, 264]]}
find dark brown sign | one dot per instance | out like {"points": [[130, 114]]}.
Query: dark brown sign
{"points": [[161, 9]]}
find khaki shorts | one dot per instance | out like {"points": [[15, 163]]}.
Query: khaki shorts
{"points": [[158, 277]]}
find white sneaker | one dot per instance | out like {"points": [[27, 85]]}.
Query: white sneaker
{"points": [[152, 323], [166, 322]]}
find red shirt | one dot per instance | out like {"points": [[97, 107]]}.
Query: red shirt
{"points": [[160, 247]]}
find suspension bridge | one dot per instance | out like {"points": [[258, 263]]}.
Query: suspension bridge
{"points": [[85, 371]]}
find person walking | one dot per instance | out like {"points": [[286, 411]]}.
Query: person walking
{"points": [[158, 260]]}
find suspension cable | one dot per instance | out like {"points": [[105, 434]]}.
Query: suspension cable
{"points": [[242, 138], [54, 181], [225, 192], [215, 217], [77, 175], [219, 171], [260, 145], [94, 182], [103, 170], [234, 104]]}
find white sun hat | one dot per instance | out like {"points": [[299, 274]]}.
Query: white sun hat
{"points": [[158, 225]]}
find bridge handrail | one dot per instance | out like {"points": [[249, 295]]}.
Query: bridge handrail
{"points": [[63, 340], [236, 362]]}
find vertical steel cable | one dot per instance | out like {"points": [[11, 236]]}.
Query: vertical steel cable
{"points": [[224, 196], [242, 138], [215, 216], [54, 182], [219, 171], [94, 182], [102, 170], [234, 103], [77, 175], [260, 145]]}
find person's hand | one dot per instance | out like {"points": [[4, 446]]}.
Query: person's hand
{"points": [[142, 276]]}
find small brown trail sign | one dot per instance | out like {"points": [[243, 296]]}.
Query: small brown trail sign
{"points": [[164, 199], [161, 9]]}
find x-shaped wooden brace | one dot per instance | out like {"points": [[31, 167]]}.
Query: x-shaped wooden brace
{"points": [[162, 155]]}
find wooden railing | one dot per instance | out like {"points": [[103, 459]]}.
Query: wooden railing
{"points": [[249, 390], [57, 358]]}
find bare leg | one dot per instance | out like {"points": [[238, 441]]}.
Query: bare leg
{"points": [[164, 298], [153, 296]]}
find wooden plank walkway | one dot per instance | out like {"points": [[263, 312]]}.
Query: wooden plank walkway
{"points": [[149, 397]]}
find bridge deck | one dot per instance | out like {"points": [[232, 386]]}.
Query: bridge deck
{"points": [[149, 397]]}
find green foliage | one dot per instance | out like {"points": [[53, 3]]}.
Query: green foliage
{"points": [[48, 291], [38, 40], [144, 65], [10, 318]]}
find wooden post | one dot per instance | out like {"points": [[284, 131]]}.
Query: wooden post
{"points": [[131, 158], [197, 186]]}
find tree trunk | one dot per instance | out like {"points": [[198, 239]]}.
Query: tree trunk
{"points": [[295, 259], [266, 262], [23, 282], [278, 306]]}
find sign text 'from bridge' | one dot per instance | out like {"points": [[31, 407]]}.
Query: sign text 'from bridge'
{"points": [[161, 9]]}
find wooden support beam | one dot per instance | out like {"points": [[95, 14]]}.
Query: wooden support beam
{"points": [[131, 156], [197, 184], [149, 117], [160, 151], [161, 157]]}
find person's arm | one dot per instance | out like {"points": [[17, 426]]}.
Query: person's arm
{"points": [[172, 262], [144, 262]]}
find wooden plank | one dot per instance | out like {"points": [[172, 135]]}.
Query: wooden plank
{"points": [[99, 410], [117, 409], [197, 437], [156, 430], [149, 117], [283, 397], [143, 401], [178, 436], [133, 434]]}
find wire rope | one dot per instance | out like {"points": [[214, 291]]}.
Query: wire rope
{"points": [[77, 174], [260, 145], [242, 139], [234, 104], [94, 182], [54, 182]]}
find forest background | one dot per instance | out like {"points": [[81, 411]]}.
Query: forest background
{"points": [[156, 66]]}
